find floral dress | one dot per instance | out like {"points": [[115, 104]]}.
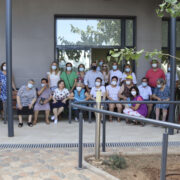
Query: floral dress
{"points": [[3, 80]]}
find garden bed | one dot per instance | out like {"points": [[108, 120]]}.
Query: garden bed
{"points": [[140, 167]]}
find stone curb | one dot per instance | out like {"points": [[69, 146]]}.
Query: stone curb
{"points": [[97, 170]]}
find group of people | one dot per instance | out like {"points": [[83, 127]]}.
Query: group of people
{"points": [[59, 87]]}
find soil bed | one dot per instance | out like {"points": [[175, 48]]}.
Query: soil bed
{"points": [[142, 167]]}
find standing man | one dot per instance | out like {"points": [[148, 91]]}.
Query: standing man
{"points": [[154, 74], [90, 77]]}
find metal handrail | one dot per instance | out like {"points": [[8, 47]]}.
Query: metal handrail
{"points": [[140, 119]]}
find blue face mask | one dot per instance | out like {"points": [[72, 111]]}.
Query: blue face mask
{"points": [[127, 69], [100, 63], [81, 69], [144, 84], [30, 86], [69, 68], [114, 67]]}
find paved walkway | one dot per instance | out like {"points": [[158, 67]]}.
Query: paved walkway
{"points": [[64, 132]]}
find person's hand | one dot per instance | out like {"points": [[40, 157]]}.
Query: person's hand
{"points": [[64, 101], [30, 106], [20, 107], [54, 101], [159, 99], [45, 102]]}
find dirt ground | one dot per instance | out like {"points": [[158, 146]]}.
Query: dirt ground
{"points": [[144, 167]]}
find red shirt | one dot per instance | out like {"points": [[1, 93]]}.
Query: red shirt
{"points": [[153, 76]]}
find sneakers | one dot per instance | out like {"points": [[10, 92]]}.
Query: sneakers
{"points": [[52, 118], [55, 121]]}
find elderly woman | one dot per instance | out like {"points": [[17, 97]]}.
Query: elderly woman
{"points": [[42, 103], [26, 97], [70, 77], [79, 95], [139, 110], [53, 76], [60, 97], [161, 93]]}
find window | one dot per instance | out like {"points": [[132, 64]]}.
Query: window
{"points": [[78, 39]]}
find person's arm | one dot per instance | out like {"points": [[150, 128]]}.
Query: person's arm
{"points": [[32, 103], [75, 81], [19, 103], [107, 94], [41, 91], [134, 78], [87, 96], [47, 100], [13, 84], [120, 93], [136, 107], [156, 97], [102, 77]]}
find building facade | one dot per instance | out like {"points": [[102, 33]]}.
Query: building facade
{"points": [[34, 42]]}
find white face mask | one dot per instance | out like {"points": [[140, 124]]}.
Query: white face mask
{"points": [[97, 83], [144, 84], [113, 83], [128, 82], [69, 68], [4, 68], [133, 93], [78, 88], [159, 86], [54, 67], [30, 86], [43, 85], [154, 65]]}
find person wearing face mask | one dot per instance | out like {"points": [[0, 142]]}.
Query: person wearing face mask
{"points": [[98, 87], [26, 97], [105, 72], [42, 103], [90, 77], [128, 72], [125, 93], [69, 77], [115, 72], [81, 73], [138, 110], [79, 95], [53, 76], [161, 93], [3, 88], [112, 92], [154, 74], [146, 93], [99, 68], [168, 76]]}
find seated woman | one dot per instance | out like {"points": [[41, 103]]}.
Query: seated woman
{"points": [[139, 110], [60, 96], [42, 103], [161, 93], [79, 95], [112, 92], [26, 97]]}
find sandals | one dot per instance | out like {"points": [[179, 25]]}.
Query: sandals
{"points": [[20, 125], [30, 124]]}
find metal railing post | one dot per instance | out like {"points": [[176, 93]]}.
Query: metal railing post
{"points": [[164, 156], [90, 115], [80, 139], [70, 112], [104, 131]]}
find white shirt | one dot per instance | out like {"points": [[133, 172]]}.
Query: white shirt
{"points": [[54, 78], [145, 92], [132, 74], [113, 92], [90, 77], [116, 73], [95, 89], [168, 78]]}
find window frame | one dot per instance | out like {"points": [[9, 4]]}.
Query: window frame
{"points": [[123, 32]]}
